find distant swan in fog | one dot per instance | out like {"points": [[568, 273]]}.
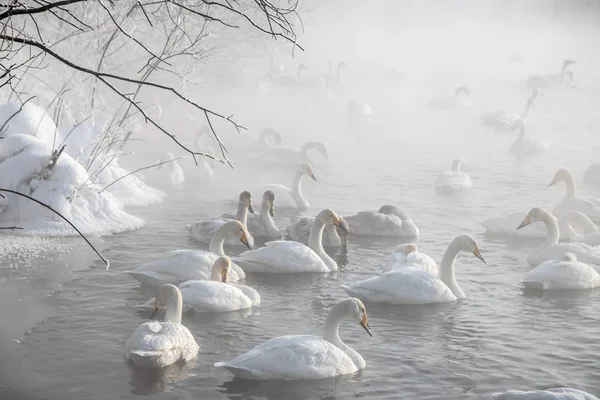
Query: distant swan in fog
{"points": [[293, 357], [551, 249], [416, 286], [407, 256], [174, 172], [204, 230], [267, 139], [551, 81], [391, 75], [591, 176], [460, 99], [525, 146], [178, 266], [358, 112], [333, 80], [590, 206], [262, 225], [332, 235], [283, 155], [291, 197], [455, 179], [388, 221], [548, 394], [564, 273], [287, 80], [504, 122], [159, 344], [283, 256]]}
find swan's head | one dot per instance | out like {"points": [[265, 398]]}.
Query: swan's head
{"points": [[393, 210], [269, 201], [318, 146], [458, 165], [246, 200], [468, 243], [562, 175], [569, 257], [342, 64], [344, 229], [165, 293], [406, 249], [221, 268], [461, 91], [357, 311], [566, 63], [328, 216], [307, 169], [237, 230], [536, 214]]}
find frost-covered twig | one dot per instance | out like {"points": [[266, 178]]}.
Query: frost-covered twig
{"points": [[2, 131], [12, 228], [137, 170]]}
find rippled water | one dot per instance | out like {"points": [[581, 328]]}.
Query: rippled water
{"points": [[76, 316]]}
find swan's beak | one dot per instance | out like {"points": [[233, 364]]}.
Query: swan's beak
{"points": [[272, 210], [224, 275], [155, 311], [365, 324], [312, 176], [244, 239], [552, 183], [338, 223], [250, 208], [477, 254], [525, 222]]}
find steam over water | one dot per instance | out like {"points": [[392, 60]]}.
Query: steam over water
{"points": [[65, 319]]}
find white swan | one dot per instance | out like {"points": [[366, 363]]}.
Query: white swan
{"points": [[178, 266], [548, 394], [460, 99], [525, 146], [551, 81], [590, 206], [262, 225], [288, 156], [565, 273], [215, 295], [455, 179], [305, 356], [415, 286], [551, 249], [591, 176], [333, 236], [267, 138], [388, 221], [407, 256], [160, 344], [204, 230], [284, 256], [293, 197], [286, 81], [333, 80], [504, 122], [174, 172]]}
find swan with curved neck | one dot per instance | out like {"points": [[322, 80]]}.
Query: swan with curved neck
{"points": [[505, 122], [454, 180], [263, 224], [332, 235], [550, 81], [389, 220], [414, 286], [550, 248], [267, 133], [291, 197], [288, 156], [287, 80], [458, 100], [282, 256], [159, 344], [305, 356], [178, 266], [590, 206], [524, 146]]}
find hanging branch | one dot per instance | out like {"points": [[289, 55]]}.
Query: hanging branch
{"points": [[137, 170]]}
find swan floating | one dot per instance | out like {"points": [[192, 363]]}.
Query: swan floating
{"points": [[333, 81], [174, 172], [159, 344], [283, 256], [567, 273], [590, 206], [407, 256], [333, 236], [552, 81], [178, 266], [548, 394], [415, 286], [293, 197], [389, 221], [454, 180], [460, 99], [215, 295], [287, 81], [305, 356], [525, 146], [591, 176], [262, 225], [551, 249], [289, 156], [504, 122], [204, 230]]}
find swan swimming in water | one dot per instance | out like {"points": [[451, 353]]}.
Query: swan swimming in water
{"points": [[159, 344], [204, 230], [289, 156], [333, 236], [548, 394], [590, 206], [305, 356], [407, 256], [566, 273], [454, 180], [178, 266], [551, 81], [174, 172], [525, 146], [591, 176], [504, 122], [389, 221], [262, 225], [551, 249], [283, 256], [415, 286], [460, 99], [293, 197]]}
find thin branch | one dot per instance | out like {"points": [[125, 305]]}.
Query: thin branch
{"points": [[138, 170]]}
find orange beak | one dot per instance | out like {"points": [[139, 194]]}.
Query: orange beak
{"points": [[365, 324]]}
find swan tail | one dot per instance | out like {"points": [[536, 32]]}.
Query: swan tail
{"points": [[534, 285], [147, 358], [240, 372]]}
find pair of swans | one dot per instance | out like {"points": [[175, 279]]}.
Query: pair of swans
{"points": [[460, 99], [503, 121], [283, 256], [291, 197], [333, 236], [178, 266], [410, 281], [454, 180], [589, 206], [548, 394], [552, 81], [216, 294], [293, 357], [525, 146]]}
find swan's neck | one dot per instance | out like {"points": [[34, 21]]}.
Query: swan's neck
{"points": [[315, 238], [215, 273], [242, 214], [332, 235], [553, 232], [174, 307], [582, 221], [297, 190], [264, 138], [446, 271], [526, 110], [267, 220], [331, 333], [304, 152], [216, 242], [571, 188]]}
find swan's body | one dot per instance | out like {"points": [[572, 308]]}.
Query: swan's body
{"points": [[286, 81], [178, 266], [551, 249], [290, 197], [288, 156], [591, 176], [457, 101], [454, 180], [589, 206], [174, 172], [548, 394], [299, 231], [407, 257], [415, 286], [284, 256], [551, 81], [262, 225], [305, 356], [204, 230], [333, 80], [388, 221], [565, 273], [160, 344], [525, 146], [504, 122]]}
